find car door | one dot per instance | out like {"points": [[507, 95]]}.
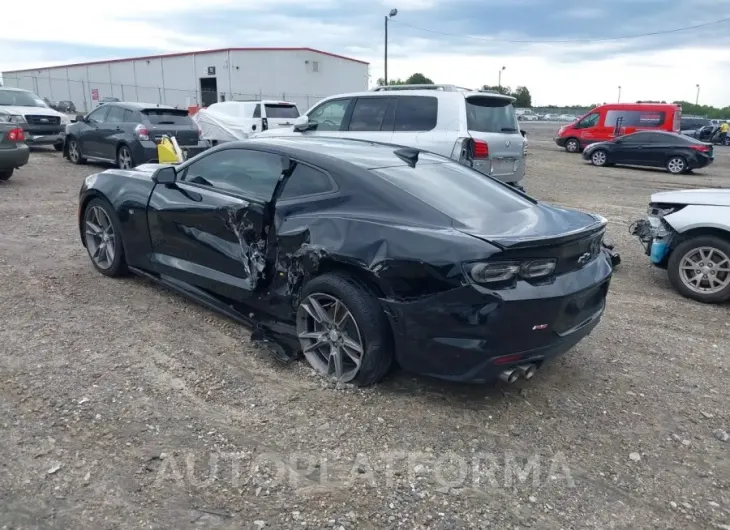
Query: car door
{"points": [[89, 135], [329, 118], [109, 131], [632, 149], [588, 130], [209, 229], [371, 119]]}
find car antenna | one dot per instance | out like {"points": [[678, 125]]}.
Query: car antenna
{"points": [[409, 155]]}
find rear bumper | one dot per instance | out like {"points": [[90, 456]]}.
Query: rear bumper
{"points": [[14, 157], [700, 162], [465, 333]]}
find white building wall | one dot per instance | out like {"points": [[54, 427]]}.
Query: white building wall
{"points": [[301, 76]]}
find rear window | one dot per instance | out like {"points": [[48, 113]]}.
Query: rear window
{"points": [[167, 117], [490, 115], [455, 190], [281, 111]]}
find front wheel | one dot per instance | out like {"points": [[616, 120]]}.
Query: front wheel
{"points": [[74, 152], [5, 174], [572, 145], [103, 238], [124, 158], [599, 158], [699, 268], [676, 165], [343, 330]]}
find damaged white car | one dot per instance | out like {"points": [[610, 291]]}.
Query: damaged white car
{"points": [[687, 232]]}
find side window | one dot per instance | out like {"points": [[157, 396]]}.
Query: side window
{"points": [[329, 116], [639, 138], [415, 113], [635, 118], [368, 114], [129, 116], [115, 115], [306, 180], [99, 114], [589, 121], [246, 172], [257, 111]]}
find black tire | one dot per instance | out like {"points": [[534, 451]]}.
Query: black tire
{"points": [[58, 147], [378, 350], [572, 145], [677, 165], [119, 264], [675, 260], [598, 160], [75, 155], [726, 141], [125, 153], [5, 174]]}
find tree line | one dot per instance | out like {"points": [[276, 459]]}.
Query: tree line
{"points": [[523, 99]]}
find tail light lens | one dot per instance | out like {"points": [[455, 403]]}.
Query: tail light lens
{"points": [[16, 135], [505, 271], [701, 148], [481, 149], [142, 132]]}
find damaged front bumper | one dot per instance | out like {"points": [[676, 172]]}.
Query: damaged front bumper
{"points": [[656, 236]]}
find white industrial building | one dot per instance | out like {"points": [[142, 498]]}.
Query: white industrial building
{"points": [[300, 75]]}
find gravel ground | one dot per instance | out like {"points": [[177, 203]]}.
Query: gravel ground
{"points": [[124, 406]]}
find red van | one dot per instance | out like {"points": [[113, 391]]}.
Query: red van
{"points": [[616, 119]]}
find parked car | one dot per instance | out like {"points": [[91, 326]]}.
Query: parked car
{"points": [[691, 126], [41, 125], [66, 106], [108, 99], [566, 117], [14, 152], [606, 122], [687, 232], [127, 134], [359, 255], [677, 153], [479, 129], [236, 120]]}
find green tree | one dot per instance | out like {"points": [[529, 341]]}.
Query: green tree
{"points": [[498, 89], [523, 98], [415, 79]]}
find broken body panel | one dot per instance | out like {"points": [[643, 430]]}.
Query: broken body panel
{"points": [[249, 258]]}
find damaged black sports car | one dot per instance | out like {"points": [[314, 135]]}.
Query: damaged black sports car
{"points": [[358, 255]]}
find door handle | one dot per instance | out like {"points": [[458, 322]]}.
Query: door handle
{"points": [[118, 129]]}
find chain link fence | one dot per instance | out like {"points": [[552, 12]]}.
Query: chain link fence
{"points": [[86, 95]]}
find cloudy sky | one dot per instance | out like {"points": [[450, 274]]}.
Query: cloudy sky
{"points": [[564, 51]]}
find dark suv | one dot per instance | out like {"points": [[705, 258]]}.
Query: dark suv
{"points": [[127, 134]]}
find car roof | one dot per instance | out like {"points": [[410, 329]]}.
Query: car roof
{"points": [[420, 92], [133, 105], [14, 89], [322, 149]]}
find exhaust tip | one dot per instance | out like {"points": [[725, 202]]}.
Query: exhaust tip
{"points": [[510, 376], [528, 370]]}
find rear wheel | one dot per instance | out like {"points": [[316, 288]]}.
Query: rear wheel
{"points": [[343, 330], [676, 165], [599, 157], [699, 268], [124, 158], [572, 145], [58, 146], [5, 174]]}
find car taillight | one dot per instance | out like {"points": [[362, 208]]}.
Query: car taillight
{"points": [[481, 149], [16, 135], [142, 132], [702, 148]]}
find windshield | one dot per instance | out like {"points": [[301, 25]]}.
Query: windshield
{"points": [[20, 98], [491, 115], [462, 193], [281, 111], [168, 117]]}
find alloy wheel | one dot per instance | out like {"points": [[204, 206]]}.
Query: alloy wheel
{"points": [[705, 270], [330, 337], [676, 165], [125, 158], [73, 151], [598, 158], [572, 146], [100, 237]]}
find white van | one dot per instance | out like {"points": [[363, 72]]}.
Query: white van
{"points": [[237, 120]]}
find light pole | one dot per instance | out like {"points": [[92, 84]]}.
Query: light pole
{"points": [[393, 12], [619, 94], [499, 82], [697, 98]]}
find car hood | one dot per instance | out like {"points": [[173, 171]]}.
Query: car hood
{"points": [[540, 225], [703, 197], [22, 111]]}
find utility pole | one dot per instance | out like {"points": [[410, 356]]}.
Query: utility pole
{"points": [[697, 98], [499, 82], [393, 12], [619, 94]]}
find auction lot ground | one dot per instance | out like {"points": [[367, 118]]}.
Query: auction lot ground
{"points": [[116, 396]]}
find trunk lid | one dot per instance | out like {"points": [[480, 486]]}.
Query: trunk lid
{"points": [[171, 122], [492, 118], [280, 114]]}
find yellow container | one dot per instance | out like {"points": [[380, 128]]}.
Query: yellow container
{"points": [[166, 152]]}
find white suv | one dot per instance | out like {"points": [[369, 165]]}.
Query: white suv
{"points": [[479, 129]]}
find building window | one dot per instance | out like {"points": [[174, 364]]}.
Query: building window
{"points": [[315, 66]]}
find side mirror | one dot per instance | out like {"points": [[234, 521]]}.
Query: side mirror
{"points": [[523, 133], [301, 123], [165, 175], [80, 117]]}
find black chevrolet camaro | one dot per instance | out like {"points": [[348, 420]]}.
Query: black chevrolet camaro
{"points": [[358, 255]]}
